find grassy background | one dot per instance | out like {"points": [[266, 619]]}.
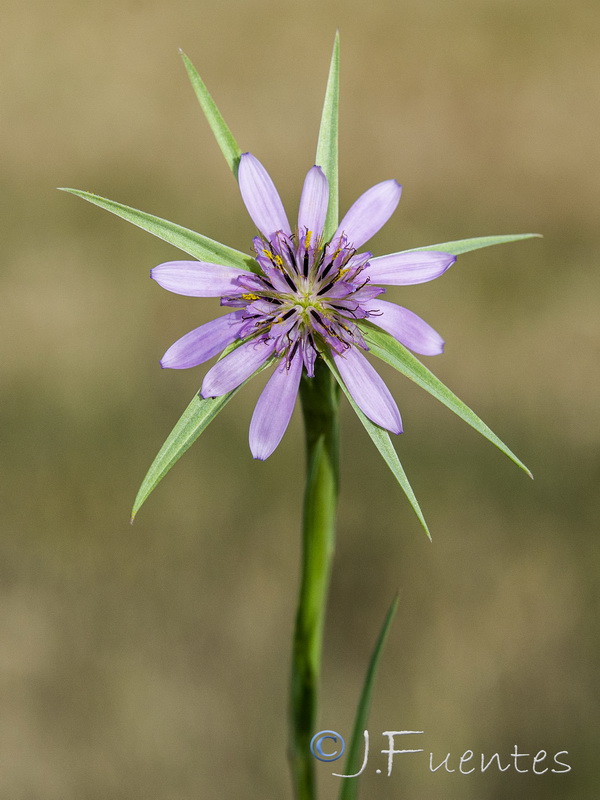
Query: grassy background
{"points": [[150, 663]]}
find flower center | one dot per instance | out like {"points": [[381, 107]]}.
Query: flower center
{"points": [[308, 296]]}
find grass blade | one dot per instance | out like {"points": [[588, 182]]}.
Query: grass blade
{"points": [[349, 790]]}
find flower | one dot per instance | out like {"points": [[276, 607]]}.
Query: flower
{"points": [[304, 299]]}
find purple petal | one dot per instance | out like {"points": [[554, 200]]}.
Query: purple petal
{"points": [[274, 408], [313, 202], [403, 269], [204, 342], [261, 197], [405, 326], [370, 213], [368, 390], [228, 373], [197, 278]]}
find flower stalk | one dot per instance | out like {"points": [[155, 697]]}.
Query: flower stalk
{"points": [[320, 400]]}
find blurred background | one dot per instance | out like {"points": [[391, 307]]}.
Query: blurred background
{"points": [[151, 662]]}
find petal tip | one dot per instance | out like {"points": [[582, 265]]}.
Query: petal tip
{"points": [[396, 426]]}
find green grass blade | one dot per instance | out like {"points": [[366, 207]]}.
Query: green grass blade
{"points": [[381, 440], [388, 349], [229, 147], [194, 420], [198, 246], [327, 145], [466, 245], [349, 789]]}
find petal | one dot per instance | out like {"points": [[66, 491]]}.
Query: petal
{"points": [[368, 390], [274, 408], [405, 326], [261, 197], [313, 202], [370, 213], [309, 356], [403, 269], [204, 342], [197, 278], [228, 373]]}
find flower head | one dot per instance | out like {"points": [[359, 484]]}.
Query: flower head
{"points": [[307, 296]]}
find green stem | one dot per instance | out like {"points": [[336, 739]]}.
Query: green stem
{"points": [[320, 408]]}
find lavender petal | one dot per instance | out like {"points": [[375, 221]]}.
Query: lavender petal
{"points": [[313, 202], [368, 390], [261, 197], [370, 213], [233, 370], [274, 408], [404, 269], [405, 326], [204, 342], [196, 278]]}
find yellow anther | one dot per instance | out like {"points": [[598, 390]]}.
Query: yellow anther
{"points": [[307, 239], [250, 296]]}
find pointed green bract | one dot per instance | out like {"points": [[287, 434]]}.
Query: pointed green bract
{"points": [[194, 420], [381, 440], [388, 349], [229, 147], [466, 245], [349, 789], [197, 245], [327, 145]]}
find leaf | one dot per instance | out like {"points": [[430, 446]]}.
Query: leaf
{"points": [[327, 145], [197, 245], [388, 349], [229, 147], [194, 420], [349, 789], [465, 245], [383, 443]]}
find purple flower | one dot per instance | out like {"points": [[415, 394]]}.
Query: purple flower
{"points": [[305, 298]]}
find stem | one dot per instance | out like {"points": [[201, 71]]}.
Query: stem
{"points": [[320, 408]]}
